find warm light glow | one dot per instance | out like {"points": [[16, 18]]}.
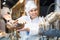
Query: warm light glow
{"points": [[3, 3], [21, 1]]}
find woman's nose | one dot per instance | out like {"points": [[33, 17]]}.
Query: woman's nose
{"points": [[34, 11]]}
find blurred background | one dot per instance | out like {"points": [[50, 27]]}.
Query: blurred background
{"points": [[16, 8]]}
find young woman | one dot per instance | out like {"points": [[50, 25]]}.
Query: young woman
{"points": [[33, 22]]}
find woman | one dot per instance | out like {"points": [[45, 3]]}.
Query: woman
{"points": [[32, 20], [34, 23]]}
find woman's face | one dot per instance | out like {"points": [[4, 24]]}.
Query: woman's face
{"points": [[33, 13]]}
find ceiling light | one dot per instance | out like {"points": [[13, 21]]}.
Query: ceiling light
{"points": [[21, 1], [3, 3]]}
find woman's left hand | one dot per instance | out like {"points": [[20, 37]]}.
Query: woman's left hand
{"points": [[24, 29]]}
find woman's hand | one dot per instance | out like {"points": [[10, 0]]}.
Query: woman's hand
{"points": [[24, 29]]}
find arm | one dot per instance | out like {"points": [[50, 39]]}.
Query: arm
{"points": [[31, 28], [50, 18], [22, 20], [53, 17]]}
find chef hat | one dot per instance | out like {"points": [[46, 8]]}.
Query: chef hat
{"points": [[29, 5]]}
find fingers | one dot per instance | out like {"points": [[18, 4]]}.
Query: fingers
{"points": [[21, 29], [22, 21], [24, 29]]}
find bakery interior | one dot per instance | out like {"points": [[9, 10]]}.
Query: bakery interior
{"points": [[16, 7]]}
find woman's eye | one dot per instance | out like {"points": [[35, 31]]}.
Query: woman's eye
{"points": [[31, 10], [35, 9], [8, 12]]}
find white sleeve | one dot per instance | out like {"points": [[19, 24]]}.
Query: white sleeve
{"points": [[34, 29], [53, 17]]}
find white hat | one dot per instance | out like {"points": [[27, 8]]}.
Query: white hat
{"points": [[29, 5]]}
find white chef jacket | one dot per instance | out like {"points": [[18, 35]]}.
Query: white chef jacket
{"points": [[34, 28]]}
